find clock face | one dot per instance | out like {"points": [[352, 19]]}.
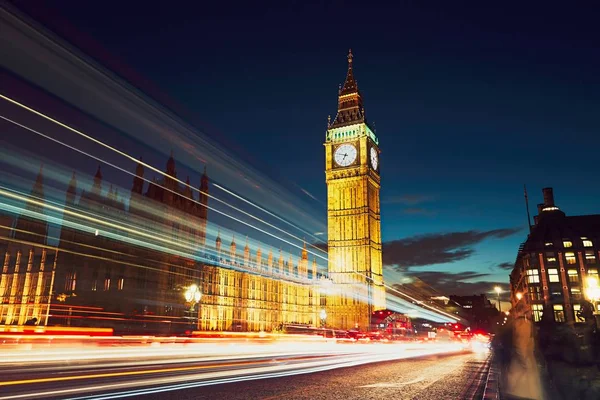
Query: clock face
{"points": [[374, 158], [345, 155]]}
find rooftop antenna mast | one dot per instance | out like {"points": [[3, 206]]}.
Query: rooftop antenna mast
{"points": [[527, 207]]}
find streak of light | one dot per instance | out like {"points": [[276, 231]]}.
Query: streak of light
{"points": [[183, 183], [266, 211], [115, 236], [123, 373], [164, 187], [156, 170], [418, 302], [351, 355]]}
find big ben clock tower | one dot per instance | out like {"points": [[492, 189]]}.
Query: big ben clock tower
{"points": [[353, 213]]}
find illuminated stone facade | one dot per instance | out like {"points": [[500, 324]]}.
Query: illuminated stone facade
{"points": [[353, 213], [28, 266], [101, 274]]}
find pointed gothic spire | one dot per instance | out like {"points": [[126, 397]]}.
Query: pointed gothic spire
{"points": [[38, 186], [171, 165], [232, 250], [270, 260], [350, 106], [139, 169], [259, 262], [247, 254], [33, 229], [138, 179], [97, 186], [71, 190], [304, 252], [350, 85]]}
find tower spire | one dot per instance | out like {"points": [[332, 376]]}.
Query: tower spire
{"points": [[350, 105], [97, 186], [71, 190]]}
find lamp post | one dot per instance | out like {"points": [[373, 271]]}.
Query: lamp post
{"points": [[592, 290], [323, 316], [498, 290], [193, 295], [519, 296]]}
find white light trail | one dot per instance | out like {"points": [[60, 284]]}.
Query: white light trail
{"points": [[156, 170]]}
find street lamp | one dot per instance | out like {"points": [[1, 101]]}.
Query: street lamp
{"points": [[193, 295], [592, 289], [519, 295], [498, 290], [323, 316]]}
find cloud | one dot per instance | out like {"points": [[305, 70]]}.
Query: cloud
{"points": [[450, 283], [505, 265], [408, 199], [437, 248], [320, 245]]}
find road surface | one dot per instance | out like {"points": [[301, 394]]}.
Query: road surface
{"points": [[450, 377], [290, 370]]}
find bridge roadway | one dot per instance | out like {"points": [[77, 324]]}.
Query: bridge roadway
{"points": [[239, 370]]}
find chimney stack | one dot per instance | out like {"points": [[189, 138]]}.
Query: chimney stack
{"points": [[548, 197]]}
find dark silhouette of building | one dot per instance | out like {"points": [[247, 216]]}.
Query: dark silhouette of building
{"points": [[479, 311]]}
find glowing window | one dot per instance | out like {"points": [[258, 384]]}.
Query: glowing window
{"points": [[590, 257], [548, 244], [551, 258], [567, 243], [573, 275], [71, 281], [106, 284], [576, 309], [553, 275], [120, 283], [593, 272], [535, 293], [571, 259], [559, 313], [533, 276], [587, 242], [538, 311]]}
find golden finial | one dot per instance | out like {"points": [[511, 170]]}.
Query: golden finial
{"points": [[350, 56]]}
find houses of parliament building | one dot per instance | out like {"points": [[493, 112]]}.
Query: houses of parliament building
{"points": [[127, 266]]}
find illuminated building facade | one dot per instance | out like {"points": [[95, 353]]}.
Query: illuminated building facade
{"points": [[130, 266], [353, 212], [557, 267], [28, 266]]}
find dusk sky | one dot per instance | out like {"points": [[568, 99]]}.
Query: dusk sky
{"points": [[469, 103]]}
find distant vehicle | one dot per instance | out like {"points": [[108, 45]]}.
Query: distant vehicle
{"points": [[390, 325]]}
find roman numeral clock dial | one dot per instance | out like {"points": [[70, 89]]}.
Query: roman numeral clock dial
{"points": [[345, 155]]}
